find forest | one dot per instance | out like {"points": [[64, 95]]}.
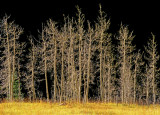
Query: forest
{"points": [[77, 61]]}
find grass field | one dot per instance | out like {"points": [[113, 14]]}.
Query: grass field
{"points": [[42, 108]]}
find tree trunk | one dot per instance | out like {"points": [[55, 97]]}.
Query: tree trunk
{"points": [[45, 65], [88, 67], [9, 63], [147, 88], [73, 74], [123, 73], [109, 87], [14, 53], [19, 83], [134, 83], [101, 81], [153, 82], [69, 94], [55, 70], [62, 74], [153, 75], [80, 68], [33, 89]]}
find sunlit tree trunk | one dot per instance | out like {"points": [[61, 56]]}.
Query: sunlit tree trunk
{"points": [[33, 65], [9, 60], [134, 82], [19, 83], [109, 68], [45, 64], [55, 70], [69, 74], [109, 84], [62, 73], [90, 32], [14, 53], [147, 85], [138, 63]]}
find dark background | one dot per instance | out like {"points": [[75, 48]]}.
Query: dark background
{"points": [[141, 17]]}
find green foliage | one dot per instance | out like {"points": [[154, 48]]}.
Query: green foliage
{"points": [[16, 88]]}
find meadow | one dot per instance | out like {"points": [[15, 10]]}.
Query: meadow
{"points": [[43, 108]]}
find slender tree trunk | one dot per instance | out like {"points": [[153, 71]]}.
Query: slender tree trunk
{"points": [[45, 65], [19, 83], [153, 75], [109, 87], [84, 71], [13, 73], [62, 74], [123, 73], [129, 77], [33, 89], [101, 79], [80, 68], [153, 91], [55, 70], [134, 83], [9, 63], [147, 88], [46, 79], [73, 74], [69, 94], [88, 67], [14, 53], [153, 82], [147, 92], [85, 85]]}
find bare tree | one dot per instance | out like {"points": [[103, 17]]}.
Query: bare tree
{"points": [[152, 57], [88, 48], [80, 32], [138, 63], [17, 31], [101, 28], [53, 36], [72, 74], [72, 58], [19, 66], [63, 47], [8, 54], [31, 67], [46, 57], [5, 62], [109, 69], [147, 82], [10, 33], [125, 38]]}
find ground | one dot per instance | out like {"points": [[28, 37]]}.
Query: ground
{"points": [[43, 108]]}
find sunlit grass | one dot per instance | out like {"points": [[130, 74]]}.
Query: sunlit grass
{"points": [[42, 108]]}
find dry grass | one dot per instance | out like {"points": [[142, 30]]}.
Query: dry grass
{"points": [[42, 108]]}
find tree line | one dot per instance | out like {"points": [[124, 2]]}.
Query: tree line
{"points": [[78, 61]]}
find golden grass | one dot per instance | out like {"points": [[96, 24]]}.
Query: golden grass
{"points": [[42, 108]]}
